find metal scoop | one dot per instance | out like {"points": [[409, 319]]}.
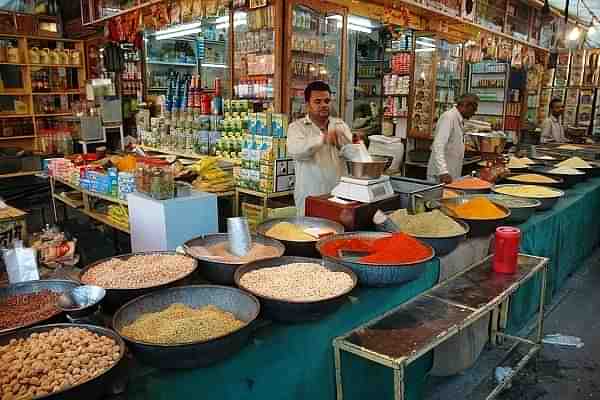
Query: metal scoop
{"points": [[240, 240], [81, 300]]}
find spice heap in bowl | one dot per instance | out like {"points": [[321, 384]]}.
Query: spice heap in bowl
{"points": [[179, 324], [519, 163], [379, 259], [49, 361], [533, 178], [575, 162], [477, 208], [297, 289], [470, 185], [128, 276], [220, 252], [547, 196], [434, 228], [26, 309]]}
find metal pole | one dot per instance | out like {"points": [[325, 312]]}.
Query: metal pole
{"points": [[338, 370], [399, 382], [540, 323]]}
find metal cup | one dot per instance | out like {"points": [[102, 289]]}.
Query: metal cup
{"points": [[240, 241]]}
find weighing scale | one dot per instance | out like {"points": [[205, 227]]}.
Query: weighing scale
{"points": [[364, 190]]}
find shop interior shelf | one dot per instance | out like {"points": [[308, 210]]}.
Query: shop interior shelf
{"points": [[74, 91], [15, 115], [16, 137], [105, 220], [70, 202], [56, 65]]}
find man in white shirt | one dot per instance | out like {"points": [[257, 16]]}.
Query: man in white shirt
{"points": [[448, 148], [552, 129], [315, 143]]}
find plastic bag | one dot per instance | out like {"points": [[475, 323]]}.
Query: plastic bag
{"points": [[356, 152], [21, 263]]}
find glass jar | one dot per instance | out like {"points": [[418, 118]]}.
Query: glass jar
{"points": [[160, 178], [140, 175]]}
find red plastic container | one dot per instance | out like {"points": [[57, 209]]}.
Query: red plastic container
{"points": [[506, 250]]}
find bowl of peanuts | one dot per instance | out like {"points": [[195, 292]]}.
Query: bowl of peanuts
{"points": [[59, 361], [128, 276], [187, 326], [30, 303]]}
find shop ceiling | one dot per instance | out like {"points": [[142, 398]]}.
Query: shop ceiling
{"points": [[585, 10]]}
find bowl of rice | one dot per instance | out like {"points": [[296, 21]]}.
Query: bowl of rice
{"points": [[547, 196]]}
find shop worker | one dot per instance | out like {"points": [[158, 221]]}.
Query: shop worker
{"points": [[552, 129], [315, 142], [448, 148]]}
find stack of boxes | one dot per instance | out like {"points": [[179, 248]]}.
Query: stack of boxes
{"points": [[126, 184]]}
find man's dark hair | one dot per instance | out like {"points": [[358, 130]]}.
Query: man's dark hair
{"points": [[554, 101], [316, 86]]}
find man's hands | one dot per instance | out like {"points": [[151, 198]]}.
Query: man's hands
{"points": [[331, 138], [445, 178]]}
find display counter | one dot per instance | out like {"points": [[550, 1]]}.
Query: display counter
{"points": [[296, 361]]}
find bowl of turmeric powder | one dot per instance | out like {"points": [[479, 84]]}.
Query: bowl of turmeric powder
{"points": [[479, 212]]}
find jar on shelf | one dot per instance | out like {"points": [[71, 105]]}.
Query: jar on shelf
{"points": [[161, 179], [12, 55], [141, 183]]}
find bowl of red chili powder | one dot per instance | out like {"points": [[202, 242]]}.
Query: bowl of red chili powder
{"points": [[387, 258]]}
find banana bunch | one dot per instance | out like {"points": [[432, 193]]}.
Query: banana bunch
{"points": [[211, 178], [118, 214]]}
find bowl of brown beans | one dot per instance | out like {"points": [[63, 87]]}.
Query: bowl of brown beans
{"points": [[187, 326], [59, 361], [128, 276], [31, 303]]}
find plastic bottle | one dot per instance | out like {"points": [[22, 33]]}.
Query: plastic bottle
{"points": [[506, 251]]}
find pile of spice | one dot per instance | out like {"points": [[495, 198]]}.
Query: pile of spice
{"points": [[289, 232], [26, 309], [574, 162], [297, 282], [398, 248], [428, 224], [48, 362], [180, 323], [532, 191], [220, 252], [139, 271], [532, 178], [477, 208], [518, 163], [513, 202], [469, 183], [565, 171]]}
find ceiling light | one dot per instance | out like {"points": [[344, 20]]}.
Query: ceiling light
{"points": [[574, 34]]}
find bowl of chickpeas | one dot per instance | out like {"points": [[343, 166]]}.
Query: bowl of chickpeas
{"points": [[61, 361]]}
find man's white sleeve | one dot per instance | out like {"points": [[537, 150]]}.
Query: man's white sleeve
{"points": [[438, 153], [301, 146]]}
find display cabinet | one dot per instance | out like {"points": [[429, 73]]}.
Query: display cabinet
{"points": [[257, 59], [315, 48], [397, 80], [488, 80], [424, 92], [449, 77]]}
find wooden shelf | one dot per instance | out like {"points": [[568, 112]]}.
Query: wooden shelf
{"points": [[174, 153], [56, 65], [16, 137], [58, 93], [67, 201], [92, 194], [14, 93], [15, 64], [15, 116], [105, 220], [52, 115], [19, 174]]}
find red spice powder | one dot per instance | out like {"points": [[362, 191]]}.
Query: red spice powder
{"points": [[398, 248]]}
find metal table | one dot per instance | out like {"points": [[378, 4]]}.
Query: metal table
{"points": [[399, 337]]}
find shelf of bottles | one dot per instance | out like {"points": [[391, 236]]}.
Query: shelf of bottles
{"points": [[424, 76], [396, 77], [315, 54], [214, 59], [488, 80], [254, 56], [534, 81], [491, 13], [449, 76]]}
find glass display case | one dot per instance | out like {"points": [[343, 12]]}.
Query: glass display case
{"points": [[450, 77], [315, 52], [421, 121], [365, 64], [198, 48], [257, 55], [396, 81]]}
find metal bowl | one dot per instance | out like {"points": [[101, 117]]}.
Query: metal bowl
{"points": [[369, 170], [568, 180], [594, 171], [54, 285], [243, 305], [376, 275], [300, 248], [443, 245], [290, 310], [546, 203], [115, 297], [81, 300], [92, 389], [219, 271], [478, 227], [558, 184], [518, 213]]}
